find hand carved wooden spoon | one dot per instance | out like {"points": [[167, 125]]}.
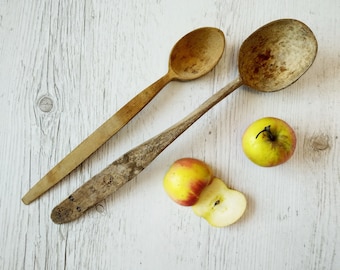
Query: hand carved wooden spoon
{"points": [[270, 59], [193, 56]]}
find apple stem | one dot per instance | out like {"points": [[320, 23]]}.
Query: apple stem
{"points": [[270, 134]]}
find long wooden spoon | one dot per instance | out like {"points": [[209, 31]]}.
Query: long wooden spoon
{"points": [[272, 58], [193, 56]]}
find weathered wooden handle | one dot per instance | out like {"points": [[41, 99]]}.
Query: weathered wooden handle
{"points": [[130, 164], [96, 139]]}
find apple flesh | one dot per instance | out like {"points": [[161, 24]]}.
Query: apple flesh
{"points": [[185, 180], [269, 142], [219, 205]]}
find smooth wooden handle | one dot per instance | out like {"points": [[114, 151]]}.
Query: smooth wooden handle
{"points": [[130, 164], [96, 139]]}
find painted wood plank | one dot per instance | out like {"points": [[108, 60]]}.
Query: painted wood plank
{"points": [[66, 66]]}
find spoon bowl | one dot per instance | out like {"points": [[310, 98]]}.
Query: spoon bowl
{"points": [[276, 55], [196, 53]]}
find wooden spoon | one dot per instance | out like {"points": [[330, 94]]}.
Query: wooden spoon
{"points": [[193, 56], [272, 58]]}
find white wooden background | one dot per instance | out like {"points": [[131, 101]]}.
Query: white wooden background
{"points": [[66, 66]]}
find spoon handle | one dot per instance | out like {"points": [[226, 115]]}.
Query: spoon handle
{"points": [[130, 164], [96, 139]]}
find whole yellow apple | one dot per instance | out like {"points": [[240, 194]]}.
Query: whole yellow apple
{"points": [[269, 141], [185, 180]]}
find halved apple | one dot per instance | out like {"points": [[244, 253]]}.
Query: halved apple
{"points": [[219, 205]]}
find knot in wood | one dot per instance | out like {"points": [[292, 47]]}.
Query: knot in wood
{"points": [[45, 104], [320, 142]]}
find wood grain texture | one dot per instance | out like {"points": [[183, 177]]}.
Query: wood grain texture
{"points": [[67, 66]]}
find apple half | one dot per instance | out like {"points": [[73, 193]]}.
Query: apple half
{"points": [[219, 205]]}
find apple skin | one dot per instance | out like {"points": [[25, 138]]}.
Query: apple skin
{"points": [[185, 180], [219, 205], [265, 149]]}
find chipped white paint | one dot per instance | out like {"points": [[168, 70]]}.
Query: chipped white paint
{"points": [[65, 67]]}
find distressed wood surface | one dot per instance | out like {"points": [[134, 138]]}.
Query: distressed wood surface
{"points": [[67, 66]]}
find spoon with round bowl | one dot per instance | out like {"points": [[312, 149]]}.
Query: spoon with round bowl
{"points": [[193, 56], [270, 59]]}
